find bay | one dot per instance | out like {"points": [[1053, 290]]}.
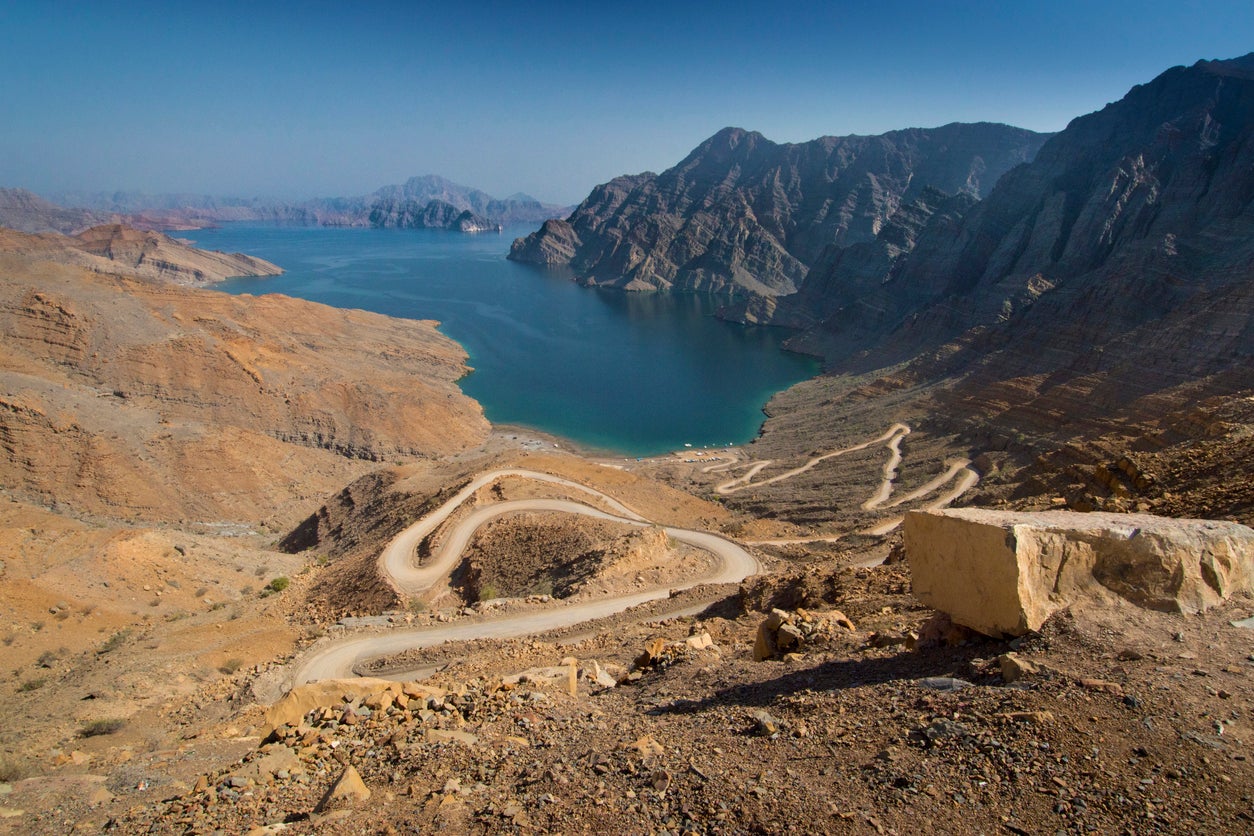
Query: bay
{"points": [[628, 373]]}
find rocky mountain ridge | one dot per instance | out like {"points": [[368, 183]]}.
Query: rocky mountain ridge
{"points": [[1113, 269], [189, 211], [744, 216], [26, 211]]}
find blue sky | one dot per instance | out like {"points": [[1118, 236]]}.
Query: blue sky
{"points": [[324, 99]]}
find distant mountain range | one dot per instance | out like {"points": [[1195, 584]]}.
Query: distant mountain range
{"points": [[420, 202]]}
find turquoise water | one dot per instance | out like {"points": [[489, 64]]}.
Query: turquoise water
{"points": [[629, 373]]}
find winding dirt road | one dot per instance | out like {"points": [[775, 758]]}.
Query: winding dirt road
{"points": [[338, 659], [733, 564], [891, 439]]}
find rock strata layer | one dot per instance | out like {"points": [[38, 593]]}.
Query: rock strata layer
{"points": [[1004, 573]]}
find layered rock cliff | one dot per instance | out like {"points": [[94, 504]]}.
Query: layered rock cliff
{"points": [[142, 254], [745, 216]]}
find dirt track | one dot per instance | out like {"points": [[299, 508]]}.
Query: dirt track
{"points": [[337, 659]]}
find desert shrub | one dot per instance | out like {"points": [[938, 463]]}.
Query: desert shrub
{"points": [[33, 684], [278, 584], [46, 659], [12, 769], [487, 592], [115, 641], [96, 728], [231, 665]]}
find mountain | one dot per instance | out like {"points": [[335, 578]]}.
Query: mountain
{"points": [[1127, 244], [174, 211], [1096, 307], [745, 216], [390, 213], [28, 212]]}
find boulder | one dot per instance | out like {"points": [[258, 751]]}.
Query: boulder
{"points": [[347, 791], [1005, 572], [783, 632], [302, 699]]}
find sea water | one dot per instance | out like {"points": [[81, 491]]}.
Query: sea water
{"points": [[629, 373]]}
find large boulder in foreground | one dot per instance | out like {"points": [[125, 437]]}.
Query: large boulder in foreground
{"points": [[1005, 572]]}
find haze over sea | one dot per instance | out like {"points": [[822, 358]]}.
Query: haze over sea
{"points": [[629, 373]]}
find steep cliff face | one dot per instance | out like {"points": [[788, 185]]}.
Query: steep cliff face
{"points": [[1107, 283], [435, 214], [742, 215], [1132, 215]]}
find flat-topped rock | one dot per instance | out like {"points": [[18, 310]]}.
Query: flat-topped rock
{"points": [[1006, 572]]}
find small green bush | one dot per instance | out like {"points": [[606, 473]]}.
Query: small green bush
{"points": [[487, 592], [278, 584]]}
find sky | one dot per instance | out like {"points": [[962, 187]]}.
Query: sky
{"points": [[318, 99]]}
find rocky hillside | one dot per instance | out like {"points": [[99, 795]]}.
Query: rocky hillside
{"points": [[1117, 265], [138, 399], [1155, 185], [742, 215], [140, 254]]}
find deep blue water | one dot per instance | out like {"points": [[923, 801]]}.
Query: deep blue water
{"points": [[631, 373]]}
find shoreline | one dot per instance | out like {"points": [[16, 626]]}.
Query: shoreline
{"points": [[531, 438]]}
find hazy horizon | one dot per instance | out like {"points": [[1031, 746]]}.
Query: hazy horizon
{"points": [[296, 101]]}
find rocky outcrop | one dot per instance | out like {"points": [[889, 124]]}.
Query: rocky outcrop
{"points": [[744, 216], [435, 214], [152, 255], [1004, 573], [114, 248]]}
